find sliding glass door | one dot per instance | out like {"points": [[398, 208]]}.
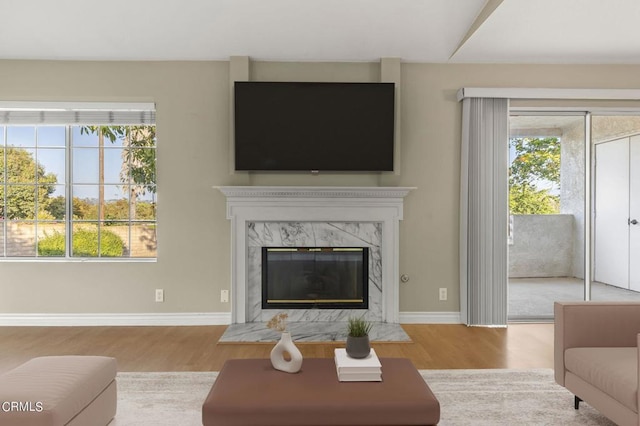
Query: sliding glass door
{"points": [[574, 201], [546, 238]]}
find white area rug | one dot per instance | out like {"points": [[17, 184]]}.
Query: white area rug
{"points": [[467, 397]]}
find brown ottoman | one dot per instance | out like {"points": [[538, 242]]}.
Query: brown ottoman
{"points": [[250, 392], [59, 390]]}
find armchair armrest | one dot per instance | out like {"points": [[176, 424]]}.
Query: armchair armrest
{"points": [[593, 324]]}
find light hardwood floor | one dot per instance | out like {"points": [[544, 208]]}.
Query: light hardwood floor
{"points": [[196, 348]]}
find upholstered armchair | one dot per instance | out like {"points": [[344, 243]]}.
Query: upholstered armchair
{"points": [[596, 356]]}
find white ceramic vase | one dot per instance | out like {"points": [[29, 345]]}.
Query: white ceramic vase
{"points": [[285, 344]]}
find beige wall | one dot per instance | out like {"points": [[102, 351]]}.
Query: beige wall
{"points": [[192, 101]]}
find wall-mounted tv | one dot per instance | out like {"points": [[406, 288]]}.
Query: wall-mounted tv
{"points": [[301, 126]]}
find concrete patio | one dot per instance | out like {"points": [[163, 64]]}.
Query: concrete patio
{"points": [[531, 299]]}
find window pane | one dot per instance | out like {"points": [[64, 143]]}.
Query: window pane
{"points": [[21, 136], [2, 224], [113, 166], [85, 240], [2, 135], [143, 165], [118, 142], [56, 203], [92, 240], [116, 205], [145, 207], [42, 206], [3, 166], [144, 241], [21, 240], [21, 165], [117, 209], [51, 239], [51, 136], [52, 161], [80, 139], [114, 192], [85, 202], [21, 202], [114, 240], [85, 165]]}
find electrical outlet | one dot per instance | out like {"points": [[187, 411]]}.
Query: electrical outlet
{"points": [[159, 295], [224, 296], [443, 294]]}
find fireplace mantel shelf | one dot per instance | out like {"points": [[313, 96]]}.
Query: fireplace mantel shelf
{"points": [[251, 204], [314, 191]]}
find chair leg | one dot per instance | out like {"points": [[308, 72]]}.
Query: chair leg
{"points": [[576, 402]]}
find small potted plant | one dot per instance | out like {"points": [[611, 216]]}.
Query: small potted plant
{"points": [[358, 345]]}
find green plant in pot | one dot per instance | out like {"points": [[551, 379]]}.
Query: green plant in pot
{"points": [[358, 345]]}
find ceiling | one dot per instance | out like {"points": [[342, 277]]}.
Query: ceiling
{"points": [[435, 31]]}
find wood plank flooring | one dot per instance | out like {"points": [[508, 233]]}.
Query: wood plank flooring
{"points": [[195, 348]]}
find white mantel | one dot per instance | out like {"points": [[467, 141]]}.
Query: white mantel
{"points": [[383, 205]]}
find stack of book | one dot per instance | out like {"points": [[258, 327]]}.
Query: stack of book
{"points": [[350, 369]]}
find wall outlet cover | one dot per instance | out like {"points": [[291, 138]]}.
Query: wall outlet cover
{"points": [[443, 294]]}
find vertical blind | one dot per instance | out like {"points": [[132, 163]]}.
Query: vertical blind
{"points": [[484, 211]]}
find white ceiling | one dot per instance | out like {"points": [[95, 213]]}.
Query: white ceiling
{"points": [[516, 31]]}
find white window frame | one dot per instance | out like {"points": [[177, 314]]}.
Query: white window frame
{"points": [[70, 114]]}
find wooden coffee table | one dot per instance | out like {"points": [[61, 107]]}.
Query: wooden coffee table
{"points": [[250, 392]]}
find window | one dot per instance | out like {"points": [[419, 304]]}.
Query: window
{"points": [[77, 183]]}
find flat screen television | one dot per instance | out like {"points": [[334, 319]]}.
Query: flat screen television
{"points": [[302, 126]]}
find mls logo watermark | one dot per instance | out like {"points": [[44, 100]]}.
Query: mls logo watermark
{"points": [[21, 406]]}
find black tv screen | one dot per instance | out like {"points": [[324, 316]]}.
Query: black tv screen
{"points": [[300, 126]]}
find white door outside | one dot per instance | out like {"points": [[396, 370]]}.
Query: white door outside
{"points": [[612, 213], [634, 213]]}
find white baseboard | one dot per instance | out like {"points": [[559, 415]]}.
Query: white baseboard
{"points": [[177, 319], [167, 319], [430, 318]]}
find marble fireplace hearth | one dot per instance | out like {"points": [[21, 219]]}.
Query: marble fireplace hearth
{"points": [[311, 331], [315, 217]]}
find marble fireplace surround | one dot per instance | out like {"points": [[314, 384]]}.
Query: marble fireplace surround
{"points": [[256, 211], [313, 234]]}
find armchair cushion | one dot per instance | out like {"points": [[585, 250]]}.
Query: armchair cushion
{"points": [[612, 370]]}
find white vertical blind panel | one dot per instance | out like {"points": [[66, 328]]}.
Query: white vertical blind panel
{"points": [[485, 216]]}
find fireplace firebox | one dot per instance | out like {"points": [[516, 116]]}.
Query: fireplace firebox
{"points": [[315, 277]]}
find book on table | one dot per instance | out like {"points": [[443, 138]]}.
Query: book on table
{"points": [[350, 369], [360, 377]]}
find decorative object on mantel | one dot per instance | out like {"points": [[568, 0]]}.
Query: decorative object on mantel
{"points": [[358, 345], [284, 345]]}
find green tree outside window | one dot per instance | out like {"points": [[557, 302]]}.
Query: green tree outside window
{"points": [[534, 176]]}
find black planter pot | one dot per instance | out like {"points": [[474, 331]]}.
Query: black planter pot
{"points": [[358, 347]]}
